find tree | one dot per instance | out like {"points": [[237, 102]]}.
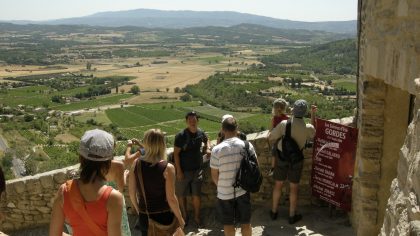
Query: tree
{"points": [[135, 89], [185, 98], [28, 118], [88, 65]]}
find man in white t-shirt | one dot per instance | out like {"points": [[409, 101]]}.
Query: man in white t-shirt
{"points": [[233, 204], [285, 170]]}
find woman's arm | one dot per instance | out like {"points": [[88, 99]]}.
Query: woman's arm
{"points": [[119, 175], [132, 188], [114, 206], [169, 175], [314, 109], [57, 214], [129, 158]]}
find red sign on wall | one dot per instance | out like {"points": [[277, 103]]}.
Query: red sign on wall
{"points": [[333, 163]]}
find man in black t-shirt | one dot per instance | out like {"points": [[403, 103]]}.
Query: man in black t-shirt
{"points": [[190, 145]]}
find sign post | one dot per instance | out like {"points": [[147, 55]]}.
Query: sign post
{"points": [[333, 163]]}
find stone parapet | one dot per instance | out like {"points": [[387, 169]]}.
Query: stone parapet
{"points": [[27, 201]]}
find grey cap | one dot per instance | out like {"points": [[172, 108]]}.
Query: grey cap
{"points": [[299, 108], [97, 145]]}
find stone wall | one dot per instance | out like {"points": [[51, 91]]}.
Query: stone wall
{"points": [[389, 62], [27, 201], [402, 215]]}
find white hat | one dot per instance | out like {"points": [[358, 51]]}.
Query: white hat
{"points": [[97, 145], [226, 116]]}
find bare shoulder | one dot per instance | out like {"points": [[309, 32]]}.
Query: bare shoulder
{"points": [[170, 168], [117, 164], [115, 198]]}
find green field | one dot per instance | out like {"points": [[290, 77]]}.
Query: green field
{"points": [[98, 101], [169, 117], [350, 86]]}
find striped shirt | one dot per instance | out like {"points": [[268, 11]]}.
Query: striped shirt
{"points": [[226, 157]]}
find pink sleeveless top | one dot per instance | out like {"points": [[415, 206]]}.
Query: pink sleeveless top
{"points": [[95, 209]]}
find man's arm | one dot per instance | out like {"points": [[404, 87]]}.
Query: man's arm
{"points": [[206, 148], [179, 173], [215, 175]]}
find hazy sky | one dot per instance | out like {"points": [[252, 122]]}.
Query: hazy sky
{"points": [[303, 10]]}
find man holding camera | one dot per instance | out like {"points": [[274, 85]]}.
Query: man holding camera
{"points": [[287, 170]]}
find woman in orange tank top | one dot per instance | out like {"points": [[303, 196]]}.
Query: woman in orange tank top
{"points": [[88, 205]]}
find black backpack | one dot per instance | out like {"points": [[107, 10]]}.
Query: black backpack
{"points": [[290, 149], [249, 176]]}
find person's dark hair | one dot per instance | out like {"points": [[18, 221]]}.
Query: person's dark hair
{"points": [[2, 181], [191, 113], [90, 170], [229, 124]]}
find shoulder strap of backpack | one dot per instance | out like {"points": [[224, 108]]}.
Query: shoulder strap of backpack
{"points": [[187, 139], [289, 128], [246, 147]]}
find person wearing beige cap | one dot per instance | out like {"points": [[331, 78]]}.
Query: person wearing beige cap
{"points": [[285, 169], [87, 204], [221, 136]]}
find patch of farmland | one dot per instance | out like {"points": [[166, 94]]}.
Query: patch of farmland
{"points": [[141, 116], [99, 101], [215, 114]]}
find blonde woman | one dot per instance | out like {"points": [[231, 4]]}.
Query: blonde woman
{"points": [[279, 114], [157, 177]]}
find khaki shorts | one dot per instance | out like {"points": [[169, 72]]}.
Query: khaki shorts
{"points": [[284, 170], [190, 185]]}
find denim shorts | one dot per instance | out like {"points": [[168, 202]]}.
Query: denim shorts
{"points": [[228, 214]]}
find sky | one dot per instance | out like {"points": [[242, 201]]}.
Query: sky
{"points": [[300, 10]]}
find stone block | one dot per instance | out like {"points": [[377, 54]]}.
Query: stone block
{"points": [[369, 166], [7, 226], [413, 207], [22, 205], [374, 88], [373, 106], [369, 215], [415, 228], [60, 176], [18, 186], [33, 186], [47, 181], [402, 10]]}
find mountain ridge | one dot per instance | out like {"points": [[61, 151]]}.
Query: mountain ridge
{"points": [[151, 18]]}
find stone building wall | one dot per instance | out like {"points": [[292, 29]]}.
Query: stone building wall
{"points": [[389, 62], [27, 201]]}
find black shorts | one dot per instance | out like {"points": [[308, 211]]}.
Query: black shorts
{"points": [[284, 170], [226, 210]]}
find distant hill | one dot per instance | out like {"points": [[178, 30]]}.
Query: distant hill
{"points": [[185, 19], [335, 57]]}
